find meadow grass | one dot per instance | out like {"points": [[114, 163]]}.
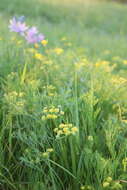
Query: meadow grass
{"points": [[63, 107]]}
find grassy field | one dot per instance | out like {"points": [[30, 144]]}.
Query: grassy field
{"points": [[63, 105]]}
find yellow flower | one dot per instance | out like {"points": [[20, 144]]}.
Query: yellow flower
{"points": [[62, 113], [21, 94], [19, 42], [44, 42], [58, 51], [39, 56], [125, 62], [21, 103], [109, 179], [74, 129], [51, 116], [59, 132], [61, 126], [106, 184], [31, 50], [43, 118], [63, 39], [82, 187], [36, 45], [45, 110], [45, 154], [65, 129], [49, 150], [56, 129]]}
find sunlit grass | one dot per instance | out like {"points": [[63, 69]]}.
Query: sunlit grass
{"points": [[63, 101]]}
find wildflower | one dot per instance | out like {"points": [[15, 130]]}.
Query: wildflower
{"points": [[125, 62], [32, 35], [43, 117], [66, 129], [63, 39], [62, 113], [51, 113], [51, 116], [19, 42], [49, 150], [56, 129], [124, 163], [82, 187], [17, 25], [44, 42], [36, 45], [58, 51], [106, 184], [109, 179], [45, 154], [90, 138], [31, 50], [74, 130], [39, 56]]}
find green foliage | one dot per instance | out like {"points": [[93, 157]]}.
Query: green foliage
{"points": [[63, 113]]}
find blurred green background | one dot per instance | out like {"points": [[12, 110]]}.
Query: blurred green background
{"points": [[98, 29]]}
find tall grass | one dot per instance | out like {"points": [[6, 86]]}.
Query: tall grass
{"points": [[63, 109]]}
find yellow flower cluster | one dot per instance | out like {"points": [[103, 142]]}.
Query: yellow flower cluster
{"points": [[118, 80], [36, 45], [16, 99], [13, 95], [39, 56], [34, 83], [125, 62], [58, 51], [86, 187], [124, 163], [107, 182], [31, 50], [11, 75], [50, 89], [66, 129], [79, 65], [44, 42], [48, 151], [52, 112], [110, 184]]}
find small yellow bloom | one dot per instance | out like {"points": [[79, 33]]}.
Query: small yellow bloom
{"points": [[125, 62], [43, 118], [58, 51], [39, 56], [109, 179], [19, 42], [21, 94], [74, 129], [62, 113], [36, 45], [63, 39], [45, 154], [44, 42], [56, 129], [82, 187], [106, 184], [51, 116], [49, 150], [65, 129], [59, 132]]}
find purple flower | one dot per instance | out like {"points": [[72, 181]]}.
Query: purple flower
{"points": [[17, 25], [32, 35]]}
